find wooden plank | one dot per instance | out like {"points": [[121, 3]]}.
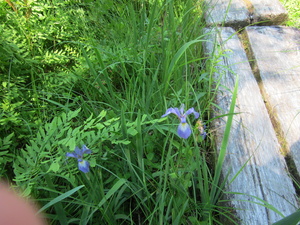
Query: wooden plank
{"points": [[253, 143], [271, 11], [240, 13], [233, 13], [277, 54]]}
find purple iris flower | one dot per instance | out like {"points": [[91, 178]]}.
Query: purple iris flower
{"points": [[83, 165], [184, 129]]}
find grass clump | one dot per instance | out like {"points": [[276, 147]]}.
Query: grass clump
{"points": [[101, 74]]}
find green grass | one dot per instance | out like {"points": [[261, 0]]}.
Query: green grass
{"points": [[83, 72], [293, 8], [102, 73]]}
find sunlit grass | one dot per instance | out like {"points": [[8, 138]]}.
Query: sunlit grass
{"points": [[293, 8], [104, 77], [134, 60]]}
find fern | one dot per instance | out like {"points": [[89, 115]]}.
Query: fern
{"points": [[46, 152]]}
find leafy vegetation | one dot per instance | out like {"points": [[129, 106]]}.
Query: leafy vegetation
{"points": [[293, 8], [102, 74]]}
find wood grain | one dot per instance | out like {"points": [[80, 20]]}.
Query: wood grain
{"points": [[253, 150]]}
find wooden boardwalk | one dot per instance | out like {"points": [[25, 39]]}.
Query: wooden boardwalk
{"points": [[240, 13], [267, 126], [277, 54]]}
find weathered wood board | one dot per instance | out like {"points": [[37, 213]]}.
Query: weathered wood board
{"points": [[218, 12], [277, 54], [268, 10], [253, 145], [240, 13]]}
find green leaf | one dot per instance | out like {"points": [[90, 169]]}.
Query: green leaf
{"points": [[73, 114], [99, 126], [3, 153], [292, 219], [6, 141], [102, 114], [132, 131], [54, 167]]}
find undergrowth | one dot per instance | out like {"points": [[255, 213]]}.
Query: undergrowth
{"points": [[293, 9], [100, 75]]}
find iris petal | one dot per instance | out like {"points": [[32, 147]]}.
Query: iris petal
{"points": [[84, 166], [172, 110], [181, 110], [72, 154], [192, 110], [85, 150], [78, 151], [184, 130]]}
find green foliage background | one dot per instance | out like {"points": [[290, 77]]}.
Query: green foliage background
{"points": [[101, 73], [293, 8]]}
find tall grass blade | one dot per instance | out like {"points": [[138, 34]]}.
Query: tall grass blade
{"points": [[112, 191], [60, 198], [59, 209], [107, 94], [174, 61], [215, 192]]}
